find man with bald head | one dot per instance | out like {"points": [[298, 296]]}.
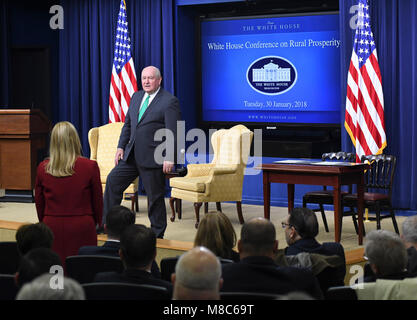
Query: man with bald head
{"points": [[257, 271], [197, 276], [151, 110]]}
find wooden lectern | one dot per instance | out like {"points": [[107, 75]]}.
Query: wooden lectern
{"points": [[22, 133], [2, 191]]}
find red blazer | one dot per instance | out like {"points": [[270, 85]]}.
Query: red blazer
{"points": [[76, 195]]}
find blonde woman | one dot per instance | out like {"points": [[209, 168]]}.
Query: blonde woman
{"points": [[216, 233], [68, 193]]}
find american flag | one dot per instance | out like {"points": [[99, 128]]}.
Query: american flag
{"points": [[123, 79], [364, 117]]}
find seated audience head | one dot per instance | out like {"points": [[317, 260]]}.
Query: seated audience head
{"points": [[258, 238], [36, 262], [301, 223], [31, 236], [46, 287], [138, 247], [197, 276], [296, 295], [216, 233], [409, 234], [64, 149], [385, 252], [118, 218]]}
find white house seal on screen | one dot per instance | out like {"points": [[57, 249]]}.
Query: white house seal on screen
{"points": [[271, 75]]}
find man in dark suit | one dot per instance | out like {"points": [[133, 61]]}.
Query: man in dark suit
{"points": [[137, 251], [301, 228], [257, 271], [151, 110], [118, 218]]}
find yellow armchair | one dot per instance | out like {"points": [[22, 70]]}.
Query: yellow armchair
{"points": [[222, 179], [103, 145]]}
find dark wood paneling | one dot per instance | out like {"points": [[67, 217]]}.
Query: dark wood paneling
{"points": [[22, 134]]}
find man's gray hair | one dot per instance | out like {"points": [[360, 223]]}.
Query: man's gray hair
{"points": [[410, 229], [156, 71], [386, 251], [40, 289], [195, 274]]}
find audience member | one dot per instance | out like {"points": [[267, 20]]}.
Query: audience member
{"points": [[216, 233], [118, 218], [409, 237], [36, 262], [386, 255], [34, 235], [301, 228], [257, 272], [68, 192], [197, 276], [137, 251], [40, 289], [296, 296]]}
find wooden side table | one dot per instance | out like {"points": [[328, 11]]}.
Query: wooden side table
{"points": [[328, 174]]}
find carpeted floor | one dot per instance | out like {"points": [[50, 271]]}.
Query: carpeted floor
{"points": [[184, 229]]}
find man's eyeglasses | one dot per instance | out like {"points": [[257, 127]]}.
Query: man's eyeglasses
{"points": [[284, 225]]}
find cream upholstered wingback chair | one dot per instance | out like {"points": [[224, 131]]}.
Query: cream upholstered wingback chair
{"points": [[222, 179], [103, 145]]}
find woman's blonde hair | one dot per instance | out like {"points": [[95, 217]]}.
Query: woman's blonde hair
{"points": [[65, 147], [216, 233]]}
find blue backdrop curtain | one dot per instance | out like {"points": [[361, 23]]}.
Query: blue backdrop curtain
{"points": [[86, 46], [394, 24], [4, 55]]}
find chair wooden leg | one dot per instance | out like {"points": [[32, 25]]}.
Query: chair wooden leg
{"points": [[355, 223], [135, 202], [378, 217], [218, 206], [239, 212], [179, 208], [197, 206], [205, 207], [323, 217], [394, 221], [171, 204]]}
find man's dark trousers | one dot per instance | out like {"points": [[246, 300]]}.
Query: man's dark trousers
{"points": [[153, 180]]}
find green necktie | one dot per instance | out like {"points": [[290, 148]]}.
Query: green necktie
{"points": [[143, 108]]}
